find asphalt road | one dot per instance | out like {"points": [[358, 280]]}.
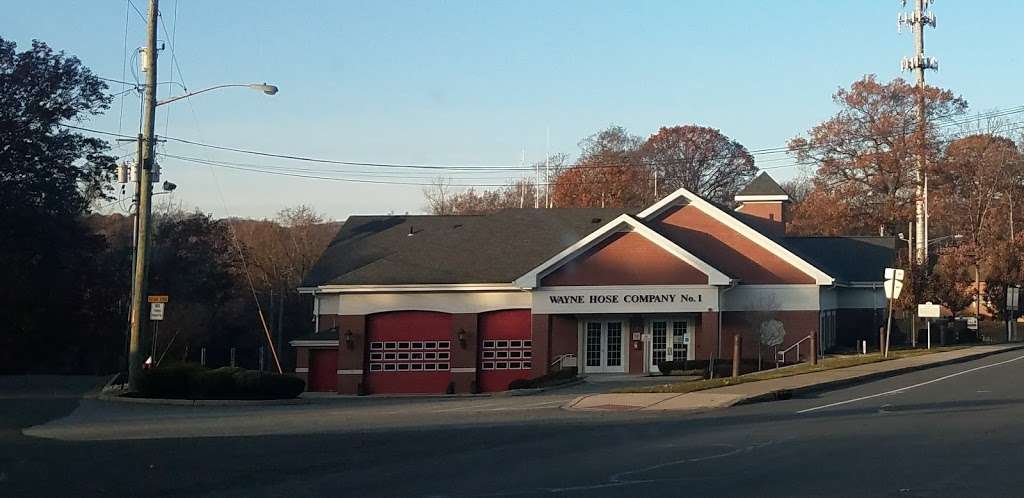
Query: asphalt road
{"points": [[949, 431]]}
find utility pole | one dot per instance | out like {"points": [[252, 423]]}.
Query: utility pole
{"points": [[144, 194], [547, 169], [918, 63]]}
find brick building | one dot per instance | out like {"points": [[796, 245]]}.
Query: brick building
{"points": [[433, 304]]}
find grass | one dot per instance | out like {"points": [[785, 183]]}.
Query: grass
{"points": [[830, 363]]}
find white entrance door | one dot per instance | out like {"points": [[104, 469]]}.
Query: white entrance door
{"points": [[603, 346], [670, 340]]}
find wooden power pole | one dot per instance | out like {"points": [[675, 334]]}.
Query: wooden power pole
{"points": [[144, 197]]}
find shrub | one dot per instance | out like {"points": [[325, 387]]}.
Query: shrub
{"points": [[218, 383], [666, 367], [171, 381], [279, 386], [544, 380], [185, 381]]}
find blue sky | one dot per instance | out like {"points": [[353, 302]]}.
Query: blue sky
{"points": [[473, 83]]}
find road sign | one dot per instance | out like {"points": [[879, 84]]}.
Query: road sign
{"points": [[893, 288], [972, 323], [156, 311], [159, 299], [1012, 297], [929, 310], [894, 274]]}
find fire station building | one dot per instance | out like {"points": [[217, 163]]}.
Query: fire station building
{"points": [[435, 304]]}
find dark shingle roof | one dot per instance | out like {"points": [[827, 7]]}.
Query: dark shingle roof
{"points": [[500, 247], [847, 259], [496, 248], [762, 185]]}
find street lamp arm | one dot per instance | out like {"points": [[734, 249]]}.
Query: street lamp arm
{"points": [[263, 87]]}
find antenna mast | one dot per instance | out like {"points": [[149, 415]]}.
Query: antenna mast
{"points": [[918, 63]]}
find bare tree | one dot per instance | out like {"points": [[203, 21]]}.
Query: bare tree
{"points": [[438, 195]]}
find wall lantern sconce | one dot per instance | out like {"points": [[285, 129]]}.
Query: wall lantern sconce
{"points": [[349, 342], [462, 338]]}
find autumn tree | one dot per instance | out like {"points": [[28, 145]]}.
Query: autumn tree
{"points": [[700, 159], [865, 156], [280, 252], [608, 173], [975, 183]]}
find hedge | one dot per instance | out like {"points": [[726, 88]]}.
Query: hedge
{"points": [[190, 381], [556, 377]]}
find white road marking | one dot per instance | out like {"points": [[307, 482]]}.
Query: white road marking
{"points": [[902, 389]]}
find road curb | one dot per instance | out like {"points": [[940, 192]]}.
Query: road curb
{"points": [[203, 402], [781, 394], [537, 390]]}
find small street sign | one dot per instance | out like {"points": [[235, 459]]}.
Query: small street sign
{"points": [[159, 299], [156, 311], [972, 323], [929, 310], [893, 288], [894, 274], [1012, 297]]}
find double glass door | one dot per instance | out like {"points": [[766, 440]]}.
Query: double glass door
{"points": [[670, 340], [603, 346]]}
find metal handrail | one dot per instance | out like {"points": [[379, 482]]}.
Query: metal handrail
{"points": [[780, 356], [561, 358]]}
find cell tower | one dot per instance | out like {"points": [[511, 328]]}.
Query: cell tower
{"points": [[917, 21]]}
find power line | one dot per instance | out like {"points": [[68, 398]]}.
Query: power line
{"points": [[492, 169]]}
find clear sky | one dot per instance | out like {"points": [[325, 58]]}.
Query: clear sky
{"points": [[473, 83]]}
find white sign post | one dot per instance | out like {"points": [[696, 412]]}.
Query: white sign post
{"points": [[1012, 300], [929, 311], [893, 287], [156, 311]]}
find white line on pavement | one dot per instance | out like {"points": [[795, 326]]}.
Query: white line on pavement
{"points": [[902, 389]]}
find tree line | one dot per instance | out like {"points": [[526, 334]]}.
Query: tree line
{"points": [[65, 269]]}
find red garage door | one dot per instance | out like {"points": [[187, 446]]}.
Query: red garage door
{"points": [[505, 349], [410, 352], [323, 370]]}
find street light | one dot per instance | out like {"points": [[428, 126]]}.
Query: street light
{"points": [[259, 87], [909, 242], [144, 193]]}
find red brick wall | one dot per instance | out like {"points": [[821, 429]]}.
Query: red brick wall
{"points": [[302, 361], [564, 336], [541, 337], [626, 259], [351, 356], [636, 354], [722, 247], [464, 353], [772, 215]]}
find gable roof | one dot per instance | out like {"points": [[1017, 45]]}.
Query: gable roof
{"points": [[730, 219], [494, 248], [532, 278], [500, 248], [764, 188]]}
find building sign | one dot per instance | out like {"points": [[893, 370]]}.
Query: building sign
{"points": [[929, 310], [626, 299]]}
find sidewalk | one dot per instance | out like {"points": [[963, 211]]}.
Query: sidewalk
{"points": [[751, 392]]}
